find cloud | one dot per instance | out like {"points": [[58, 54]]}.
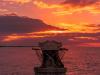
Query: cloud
{"points": [[14, 37], [12, 24], [71, 6], [13, 27], [82, 27], [18, 1], [3, 10], [6, 12], [71, 40], [85, 38], [32, 35], [81, 3], [41, 4], [94, 9], [79, 6]]}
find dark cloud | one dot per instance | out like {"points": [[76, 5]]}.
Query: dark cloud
{"points": [[14, 24], [80, 2], [68, 39]]}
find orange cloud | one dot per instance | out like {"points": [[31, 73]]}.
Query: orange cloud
{"points": [[3, 10], [70, 8], [42, 34], [16, 37], [82, 27], [94, 9], [80, 2], [50, 32], [41, 4], [6, 12], [86, 38], [19, 1]]}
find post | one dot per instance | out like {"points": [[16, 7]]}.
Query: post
{"points": [[51, 62]]}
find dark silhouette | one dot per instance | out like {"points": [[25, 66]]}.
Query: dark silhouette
{"points": [[50, 54], [51, 58], [20, 24]]}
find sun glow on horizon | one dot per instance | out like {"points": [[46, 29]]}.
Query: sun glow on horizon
{"points": [[32, 35]]}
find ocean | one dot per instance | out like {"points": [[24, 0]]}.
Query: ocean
{"points": [[21, 61]]}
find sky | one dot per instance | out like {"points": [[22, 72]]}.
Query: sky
{"points": [[66, 11], [78, 21]]}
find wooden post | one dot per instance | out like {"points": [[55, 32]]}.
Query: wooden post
{"points": [[51, 64]]}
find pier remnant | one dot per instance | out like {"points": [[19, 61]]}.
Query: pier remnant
{"points": [[51, 55]]}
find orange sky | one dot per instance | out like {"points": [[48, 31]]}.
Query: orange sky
{"points": [[72, 15], [53, 12]]}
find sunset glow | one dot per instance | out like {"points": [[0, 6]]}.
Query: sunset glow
{"points": [[51, 32], [43, 5], [14, 37], [71, 27], [18, 1], [84, 28], [33, 35], [70, 17]]}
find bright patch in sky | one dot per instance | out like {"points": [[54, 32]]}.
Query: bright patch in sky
{"points": [[74, 16], [18, 1]]}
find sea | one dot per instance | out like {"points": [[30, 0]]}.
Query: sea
{"points": [[21, 61]]}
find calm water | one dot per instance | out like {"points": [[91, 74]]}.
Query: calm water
{"points": [[21, 61]]}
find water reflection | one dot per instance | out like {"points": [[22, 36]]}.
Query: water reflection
{"points": [[21, 62]]}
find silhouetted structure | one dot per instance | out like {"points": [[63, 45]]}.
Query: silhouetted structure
{"points": [[51, 54], [51, 59]]}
